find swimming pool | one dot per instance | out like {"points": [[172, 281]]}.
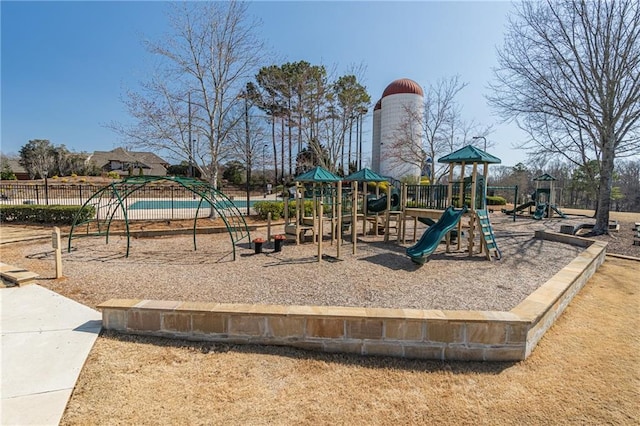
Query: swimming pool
{"points": [[186, 204]]}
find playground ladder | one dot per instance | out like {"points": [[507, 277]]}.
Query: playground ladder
{"points": [[488, 239]]}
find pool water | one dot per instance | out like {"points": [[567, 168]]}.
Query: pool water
{"points": [[186, 204]]}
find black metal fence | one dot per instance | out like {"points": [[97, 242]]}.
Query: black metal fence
{"points": [[151, 202]]}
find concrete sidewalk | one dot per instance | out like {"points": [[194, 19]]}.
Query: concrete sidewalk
{"points": [[45, 340]]}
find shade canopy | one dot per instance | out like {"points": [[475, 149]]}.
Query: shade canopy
{"points": [[469, 154], [318, 174], [365, 175]]}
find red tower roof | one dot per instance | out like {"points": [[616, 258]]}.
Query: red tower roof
{"points": [[378, 105], [401, 86]]}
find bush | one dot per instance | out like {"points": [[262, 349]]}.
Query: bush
{"points": [[54, 214], [8, 175], [276, 208], [496, 200], [113, 175]]}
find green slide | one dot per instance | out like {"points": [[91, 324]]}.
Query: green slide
{"points": [[519, 208], [430, 222], [434, 234], [540, 211], [377, 205]]}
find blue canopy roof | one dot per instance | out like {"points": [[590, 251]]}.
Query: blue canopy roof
{"points": [[469, 154], [365, 175], [318, 174]]}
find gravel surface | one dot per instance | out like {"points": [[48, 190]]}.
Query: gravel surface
{"points": [[378, 275]]}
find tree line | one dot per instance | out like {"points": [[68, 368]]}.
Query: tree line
{"points": [[574, 186], [212, 100]]}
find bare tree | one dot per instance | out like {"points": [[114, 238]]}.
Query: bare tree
{"points": [[569, 74], [204, 63]]}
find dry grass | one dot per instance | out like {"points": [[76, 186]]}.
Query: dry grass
{"points": [[584, 371]]}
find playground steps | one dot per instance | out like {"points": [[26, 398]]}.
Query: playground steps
{"points": [[16, 276], [393, 219], [488, 238]]}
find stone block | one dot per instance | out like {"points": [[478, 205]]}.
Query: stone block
{"points": [[208, 323], [143, 320], [197, 306], [404, 330], [308, 345], [163, 305], [364, 329], [445, 331], [176, 322], [324, 327], [347, 347], [249, 325], [119, 303], [505, 353], [114, 319], [285, 327], [488, 333], [517, 333], [463, 353], [383, 349], [423, 351]]}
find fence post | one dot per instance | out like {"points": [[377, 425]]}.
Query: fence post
{"points": [[37, 195]]}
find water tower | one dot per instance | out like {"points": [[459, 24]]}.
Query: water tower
{"points": [[398, 136]]}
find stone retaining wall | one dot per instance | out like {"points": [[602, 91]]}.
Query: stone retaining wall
{"points": [[410, 333]]}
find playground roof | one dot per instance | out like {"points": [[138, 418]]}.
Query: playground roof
{"points": [[318, 174], [365, 175], [469, 154], [545, 177]]}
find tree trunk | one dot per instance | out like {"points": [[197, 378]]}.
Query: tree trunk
{"points": [[604, 192], [275, 150]]}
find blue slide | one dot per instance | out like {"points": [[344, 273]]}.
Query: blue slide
{"points": [[434, 234]]}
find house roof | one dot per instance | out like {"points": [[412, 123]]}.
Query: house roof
{"points": [[147, 160], [469, 154], [545, 177], [365, 175], [15, 166], [317, 174]]}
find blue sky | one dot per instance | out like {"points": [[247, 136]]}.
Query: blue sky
{"points": [[65, 65]]}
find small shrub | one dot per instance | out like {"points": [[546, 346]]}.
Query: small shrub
{"points": [[54, 177], [83, 179], [113, 175], [73, 175], [276, 208], [64, 180], [496, 200], [36, 213]]}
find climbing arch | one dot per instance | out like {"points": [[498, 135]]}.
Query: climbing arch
{"points": [[110, 202]]}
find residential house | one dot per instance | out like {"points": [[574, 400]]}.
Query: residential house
{"points": [[17, 169], [129, 162]]}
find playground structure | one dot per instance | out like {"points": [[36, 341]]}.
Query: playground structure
{"points": [[111, 202], [345, 206], [342, 206], [542, 203], [478, 218]]}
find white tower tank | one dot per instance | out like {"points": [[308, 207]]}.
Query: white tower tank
{"points": [[400, 140], [375, 151]]}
